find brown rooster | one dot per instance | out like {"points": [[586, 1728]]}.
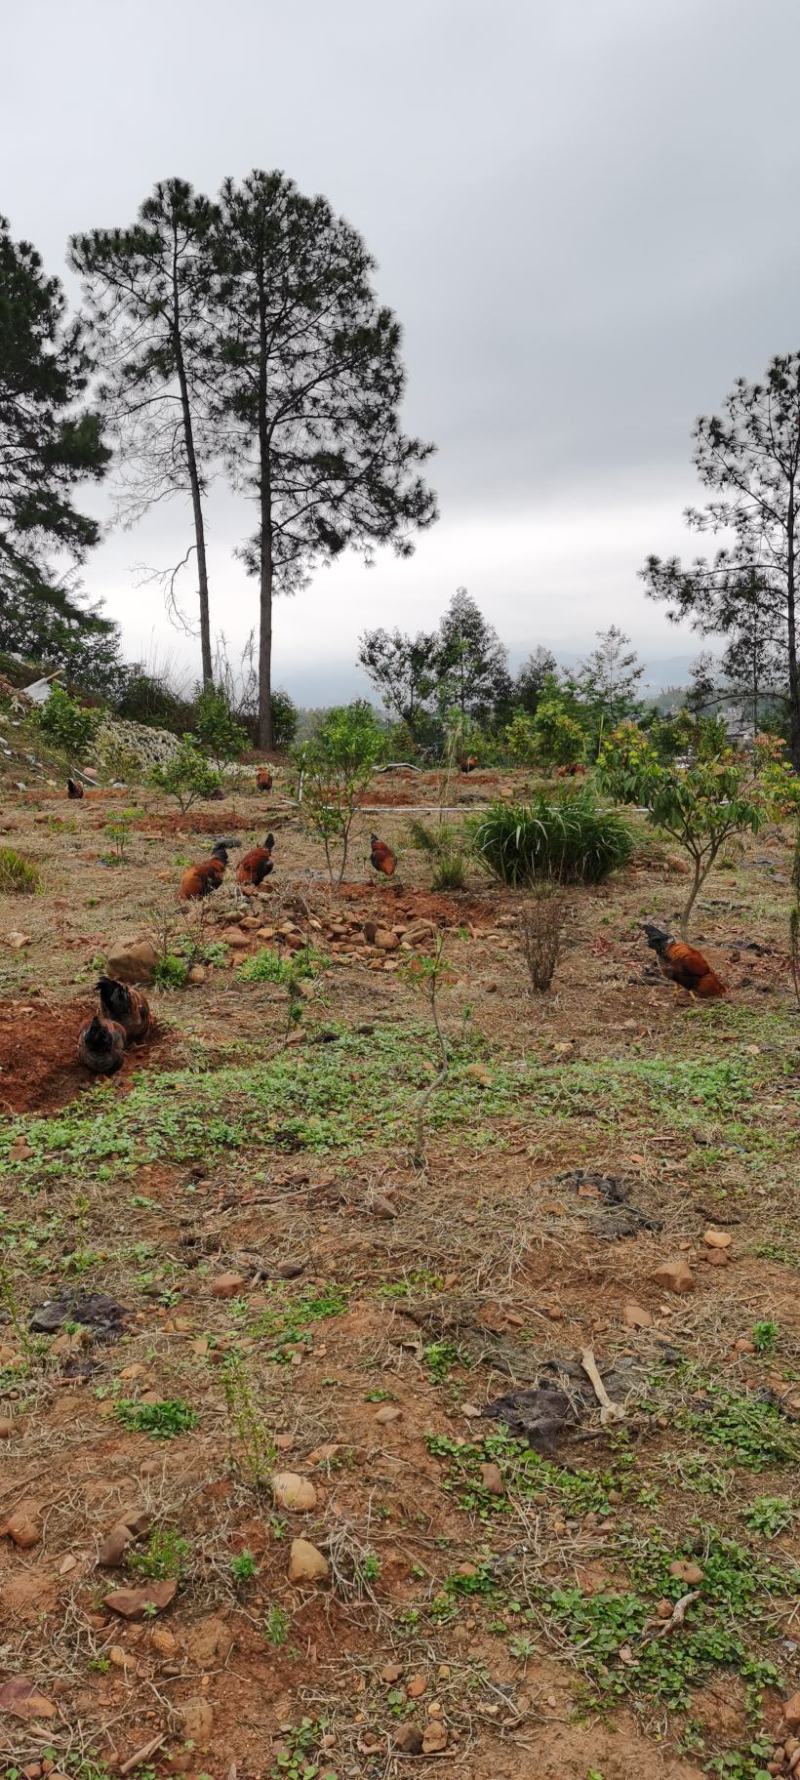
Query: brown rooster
{"points": [[128, 1007], [256, 865], [264, 779], [468, 763], [381, 857], [575, 770], [101, 1046], [199, 880], [682, 965], [74, 788]]}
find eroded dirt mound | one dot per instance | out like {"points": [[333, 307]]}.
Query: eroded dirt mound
{"points": [[396, 903], [39, 1070]]}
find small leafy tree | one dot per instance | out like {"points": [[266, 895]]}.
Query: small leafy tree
{"points": [[186, 776], [521, 738], [216, 728], [334, 769], [425, 973], [701, 806], [608, 681], [285, 718], [534, 676], [559, 736], [67, 724]]}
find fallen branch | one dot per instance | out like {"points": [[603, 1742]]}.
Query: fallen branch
{"points": [[609, 1412]]}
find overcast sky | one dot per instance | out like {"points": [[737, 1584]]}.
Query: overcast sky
{"points": [[584, 215]]}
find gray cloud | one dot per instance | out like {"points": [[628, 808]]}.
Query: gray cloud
{"points": [[584, 216]]}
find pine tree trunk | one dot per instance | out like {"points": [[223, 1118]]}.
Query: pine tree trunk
{"points": [[266, 563], [194, 477], [791, 612]]}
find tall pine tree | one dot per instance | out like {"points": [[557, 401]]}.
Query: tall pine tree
{"points": [[310, 394], [49, 444], [147, 290]]}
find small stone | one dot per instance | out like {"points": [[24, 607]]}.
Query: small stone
{"points": [[196, 974], [284, 1442], [791, 1712], [684, 1570], [492, 1479], [67, 1564], [228, 1285], [115, 1545], [306, 1562], [388, 1413], [391, 1672], [434, 1739], [665, 1609], [717, 1239], [717, 1257], [408, 1739], [293, 1492], [23, 1530], [385, 940], [322, 1455], [471, 1411], [163, 1641], [234, 937], [675, 1276], [744, 1346], [416, 1687], [6, 1427], [132, 961], [138, 1603], [197, 1718], [635, 1317], [119, 1657]]}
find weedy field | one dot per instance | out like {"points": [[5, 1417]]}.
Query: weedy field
{"points": [[303, 1470]]}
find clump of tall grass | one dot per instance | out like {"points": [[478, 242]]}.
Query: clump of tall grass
{"points": [[566, 838], [445, 847], [18, 876]]}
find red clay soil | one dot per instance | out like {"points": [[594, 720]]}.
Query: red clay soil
{"points": [[39, 1071], [223, 823], [395, 902]]}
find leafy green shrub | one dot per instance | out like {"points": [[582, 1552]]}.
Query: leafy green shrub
{"points": [[18, 876], [285, 718], [186, 776], [216, 728], [334, 768], [522, 739], [162, 1421], [164, 1556], [568, 838], [171, 972], [701, 806], [67, 724], [117, 760], [559, 737], [267, 966]]}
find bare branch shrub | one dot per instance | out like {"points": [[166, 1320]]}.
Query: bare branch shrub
{"points": [[541, 932]]}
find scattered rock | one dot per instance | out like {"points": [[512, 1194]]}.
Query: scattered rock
{"points": [[407, 1739], [209, 1642], [197, 1718], [391, 1672], [744, 1345], [163, 1641], [306, 1562], [6, 1427], [388, 1413], [92, 1310], [434, 1739], [492, 1479], [716, 1257], [635, 1317], [21, 1697], [115, 1545], [416, 1686], [684, 1570], [17, 940], [385, 940], [675, 1276], [228, 1285], [471, 1411], [791, 1712], [138, 1603], [293, 1492], [196, 974], [132, 961], [23, 1530], [717, 1239]]}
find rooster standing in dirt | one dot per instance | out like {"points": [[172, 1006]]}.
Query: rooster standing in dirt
{"points": [[256, 865], [381, 857], [199, 880], [101, 1046], [128, 1007], [682, 964]]}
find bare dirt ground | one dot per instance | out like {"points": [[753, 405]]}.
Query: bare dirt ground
{"points": [[250, 1275]]}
